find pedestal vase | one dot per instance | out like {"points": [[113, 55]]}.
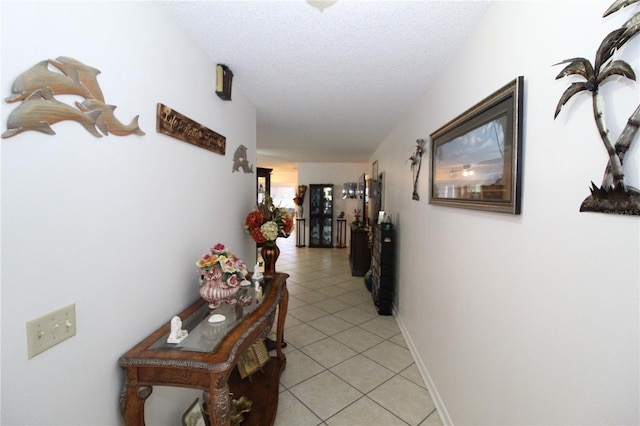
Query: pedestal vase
{"points": [[270, 253]]}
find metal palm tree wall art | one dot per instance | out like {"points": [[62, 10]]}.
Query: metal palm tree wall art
{"points": [[416, 164], [613, 196]]}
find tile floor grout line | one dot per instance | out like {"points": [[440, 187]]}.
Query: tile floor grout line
{"points": [[326, 272]]}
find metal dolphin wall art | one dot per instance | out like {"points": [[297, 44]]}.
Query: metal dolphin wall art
{"points": [[107, 121], [81, 74], [40, 110], [37, 88], [39, 76]]}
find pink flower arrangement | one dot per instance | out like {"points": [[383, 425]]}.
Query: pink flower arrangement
{"points": [[219, 264]]}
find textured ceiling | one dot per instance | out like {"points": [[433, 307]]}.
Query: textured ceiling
{"points": [[328, 85]]}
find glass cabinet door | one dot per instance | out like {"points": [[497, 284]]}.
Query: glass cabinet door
{"points": [[314, 232], [327, 232], [328, 201], [315, 202], [321, 215]]}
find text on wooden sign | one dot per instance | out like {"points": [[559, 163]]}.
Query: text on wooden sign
{"points": [[174, 124]]}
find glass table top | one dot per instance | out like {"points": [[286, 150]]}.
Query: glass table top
{"points": [[205, 336]]}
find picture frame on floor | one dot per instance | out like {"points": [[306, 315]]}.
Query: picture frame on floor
{"points": [[194, 416], [476, 157]]}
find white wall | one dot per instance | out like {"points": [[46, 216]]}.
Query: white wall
{"points": [[529, 319], [115, 224], [336, 174]]}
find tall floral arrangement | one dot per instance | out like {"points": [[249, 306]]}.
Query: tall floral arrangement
{"points": [[268, 222], [300, 193]]}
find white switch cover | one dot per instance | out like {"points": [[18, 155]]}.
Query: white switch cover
{"points": [[50, 329]]}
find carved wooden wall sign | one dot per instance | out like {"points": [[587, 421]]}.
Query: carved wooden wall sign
{"points": [[174, 124]]}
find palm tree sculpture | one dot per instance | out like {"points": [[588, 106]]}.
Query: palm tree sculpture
{"points": [[416, 164], [614, 196]]}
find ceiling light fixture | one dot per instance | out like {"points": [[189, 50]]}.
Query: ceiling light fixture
{"points": [[321, 4]]}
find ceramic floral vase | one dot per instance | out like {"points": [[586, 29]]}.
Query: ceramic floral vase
{"points": [[214, 292], [270, 253]]}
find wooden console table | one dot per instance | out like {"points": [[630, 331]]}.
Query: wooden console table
{"points": [[206, 359]]}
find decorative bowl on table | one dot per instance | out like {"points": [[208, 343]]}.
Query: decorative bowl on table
{"points": [[221, 273]]}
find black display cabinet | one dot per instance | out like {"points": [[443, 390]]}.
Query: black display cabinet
{"points": [[321, 215]]}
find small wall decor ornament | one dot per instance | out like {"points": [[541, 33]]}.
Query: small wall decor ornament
{"points": [[416, 164], [37, 88], [240, 160], [613, 196]]}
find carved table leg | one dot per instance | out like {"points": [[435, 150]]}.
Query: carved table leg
{"points": [[218, 404], [132, 399], [282, 314]]}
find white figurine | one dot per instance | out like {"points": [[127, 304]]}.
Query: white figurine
{"points": [[177, 334], [257, 275]]}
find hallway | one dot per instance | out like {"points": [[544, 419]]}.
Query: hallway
{"points": [[346, 365]]}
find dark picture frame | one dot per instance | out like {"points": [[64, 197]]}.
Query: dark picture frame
{"points": [[476, 157]]}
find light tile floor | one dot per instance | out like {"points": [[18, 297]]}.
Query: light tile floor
{"points": [[346, 365]]}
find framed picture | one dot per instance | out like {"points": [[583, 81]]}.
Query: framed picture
{"points": [[253, 359], [383, 188], [476, 157], [194, 415], [374, 170]]}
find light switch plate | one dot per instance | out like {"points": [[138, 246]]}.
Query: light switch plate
{"points": [[50, 329]]}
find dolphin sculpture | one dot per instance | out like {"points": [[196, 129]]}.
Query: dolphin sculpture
{"points": [[40, 76], [107, 121], [81, 74], [40, 110]]}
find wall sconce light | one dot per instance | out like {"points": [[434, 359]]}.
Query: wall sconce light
{"points": [[224, 77]]}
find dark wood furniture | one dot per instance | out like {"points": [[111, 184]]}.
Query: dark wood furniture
{"points": [[206, 360], [263, 188], [360, 254], [321, 215], [383, 267], [263, 183]]}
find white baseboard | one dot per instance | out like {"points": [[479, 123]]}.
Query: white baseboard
{"points": [[435, 396]]}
